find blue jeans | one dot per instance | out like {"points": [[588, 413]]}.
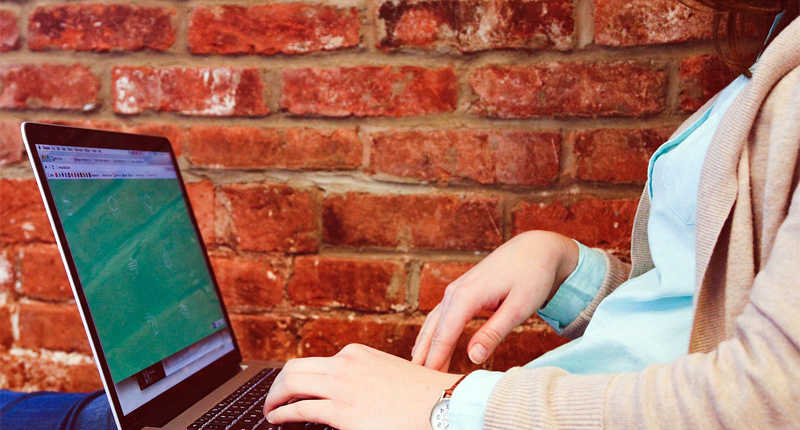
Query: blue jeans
{"points": [[55, 411]]}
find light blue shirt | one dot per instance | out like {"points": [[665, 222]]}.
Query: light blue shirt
{"points": [[647, 319]]}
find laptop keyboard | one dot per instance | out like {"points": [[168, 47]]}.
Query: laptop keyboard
{"points": [[242, 410]]}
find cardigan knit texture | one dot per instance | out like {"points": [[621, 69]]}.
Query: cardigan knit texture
{"points": [[743, 366]]}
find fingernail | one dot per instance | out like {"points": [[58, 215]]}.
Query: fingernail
{"points": [[270, 416], [477, 354]]}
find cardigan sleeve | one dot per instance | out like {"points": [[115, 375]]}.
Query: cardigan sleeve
{"points": [[751, 380]]}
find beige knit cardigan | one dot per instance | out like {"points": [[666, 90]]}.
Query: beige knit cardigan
{"points": [[743, 366]]}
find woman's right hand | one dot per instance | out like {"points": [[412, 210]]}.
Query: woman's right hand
{"points": [[514, 281]]}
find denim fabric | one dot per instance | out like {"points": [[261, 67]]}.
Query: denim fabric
{"points": [[55, 411]]}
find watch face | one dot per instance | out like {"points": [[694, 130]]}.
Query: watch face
{"points": [[440, 419]]}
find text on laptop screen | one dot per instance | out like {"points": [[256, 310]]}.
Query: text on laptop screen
{"points": [[139, 261]]}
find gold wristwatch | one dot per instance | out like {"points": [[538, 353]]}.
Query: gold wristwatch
{"points": [[440, 414]]}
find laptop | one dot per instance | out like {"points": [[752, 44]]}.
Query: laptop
{"points": [[143, 283]]}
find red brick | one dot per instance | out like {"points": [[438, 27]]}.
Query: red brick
{"points": [[367, 285], [333, 149], [22, 214], [617, 155], [476, 25], [527, 158], [487, 157], [597, 223], [273, 28], [295, 148], [247, 282], [701, 78], [37, 328], [79, 378], [528, 24], [444, 222], [234, 147], [43, 274], [523, 345], [202, 195], [201, 91], [266, 337], [325, 336], [38, 373], [645, 22], [426, 25], [438, 156], [273, 218], [9, 31], [435, 278], [369, 91], [6, 334], [624, 88], [100, 27], [11, 149], [48, 86]]}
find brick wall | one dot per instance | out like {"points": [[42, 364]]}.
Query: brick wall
{"points": [[346, 159]]}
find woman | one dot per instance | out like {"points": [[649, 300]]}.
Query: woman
{"points": [[714, 274], [723, 288]]}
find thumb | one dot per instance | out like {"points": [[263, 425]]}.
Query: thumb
{"points": [[485, 340]]}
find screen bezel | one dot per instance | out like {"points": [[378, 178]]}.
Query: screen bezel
{"points": [[49, 134]]}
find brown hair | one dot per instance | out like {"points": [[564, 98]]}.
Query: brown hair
{"points": [[737, 21]]}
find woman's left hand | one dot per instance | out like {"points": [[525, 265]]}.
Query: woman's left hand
{"points": [[360, 388]]}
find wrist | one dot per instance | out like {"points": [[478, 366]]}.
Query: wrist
{"points": [[570, 255], [563, 254], [443, 387], [438, 414]]}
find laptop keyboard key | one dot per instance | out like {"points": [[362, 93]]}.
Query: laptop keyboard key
{"points": [[241, 410], [265, 425]]}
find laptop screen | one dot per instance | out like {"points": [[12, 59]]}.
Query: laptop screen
{"points": [[141, 265]]}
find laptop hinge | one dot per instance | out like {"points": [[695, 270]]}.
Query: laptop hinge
{"points": [[166, 414]]}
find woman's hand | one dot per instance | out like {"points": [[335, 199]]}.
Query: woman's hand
{"points": [[360, 388], [514, 280]]}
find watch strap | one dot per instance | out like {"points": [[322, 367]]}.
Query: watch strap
{"points": [[449, 392]]}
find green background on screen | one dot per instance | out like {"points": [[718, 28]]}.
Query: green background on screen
{"points": [[141, 267]]}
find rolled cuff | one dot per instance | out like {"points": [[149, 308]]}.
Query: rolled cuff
{"points": [[577, 291]]}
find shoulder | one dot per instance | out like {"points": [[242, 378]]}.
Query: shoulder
{"points": [[788, 86], [783, 101]]}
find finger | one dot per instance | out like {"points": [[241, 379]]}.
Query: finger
{"points": [[320, 365], [312, 411], [423, 342], [296, 385], [432, 314], [454, 317], [446, 365], [485, 340]]}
